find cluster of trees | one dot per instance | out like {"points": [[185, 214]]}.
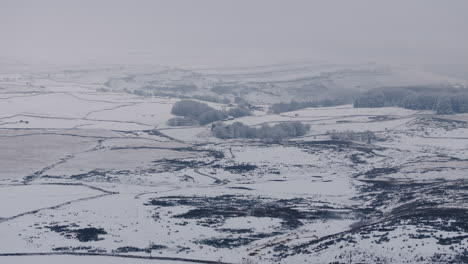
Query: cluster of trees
{"points": [[366, 136], [192, 112], [168, 93], [294, 105], [265, 132], [443, 101]]}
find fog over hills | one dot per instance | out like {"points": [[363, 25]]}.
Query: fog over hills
{"points": [[399, 32]]}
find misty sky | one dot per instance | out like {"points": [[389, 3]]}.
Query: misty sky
{"points": [[398, 31]]}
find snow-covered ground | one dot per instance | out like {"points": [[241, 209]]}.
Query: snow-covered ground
{"points": [[88, 171]]}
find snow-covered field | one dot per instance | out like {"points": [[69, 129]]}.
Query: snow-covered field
{"points": [[97, 176]]}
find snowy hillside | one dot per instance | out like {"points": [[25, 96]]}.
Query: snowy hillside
{"points": [[91, 172], [271, 84]]}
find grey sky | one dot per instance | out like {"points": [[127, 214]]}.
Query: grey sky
{"points": [[406, 31]]}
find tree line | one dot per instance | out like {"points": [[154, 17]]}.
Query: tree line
{"points": [[295, 105], [265, 132], [365, 136], [442, 100]]}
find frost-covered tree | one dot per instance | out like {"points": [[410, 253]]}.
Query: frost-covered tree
{"points": [[442, 100], [201, 112], [190, 108], [211, 116], [460, 103], [265, 132]]}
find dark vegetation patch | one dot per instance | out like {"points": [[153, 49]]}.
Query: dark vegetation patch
{"points": [[428, 222], [356, 159], [338, 146], [235, 231], [427, 210], [226, 242], [455, 240], [380, 193], [443, 219], [455, 258], [411, 195], [157, 247], [178, 164], [106, 175], [89, 174], [129, 249], [265, 235], [240, 168], [241, 188], [234, 242], [376, 172], [81, 248], [212, 211], [81, 234]]}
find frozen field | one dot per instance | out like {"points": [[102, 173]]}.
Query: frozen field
{"points": [[29, 198], [97, 176]]}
